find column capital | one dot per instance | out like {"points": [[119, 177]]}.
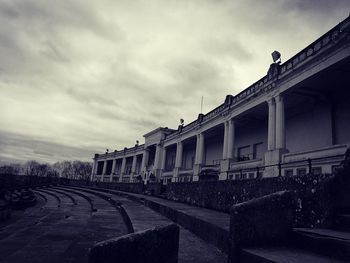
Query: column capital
{"points": [[279, 98], [270, 101]]}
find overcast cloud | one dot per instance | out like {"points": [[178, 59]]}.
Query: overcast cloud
{"points": [[77, 77]]}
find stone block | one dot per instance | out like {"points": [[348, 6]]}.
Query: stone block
{"points": [[268, 219]]}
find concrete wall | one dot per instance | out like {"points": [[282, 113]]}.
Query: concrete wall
{"points": [[250, 134], [138, 164], [310, 128], [342, 121], [213, 149], [170, 158], [189, 153]]}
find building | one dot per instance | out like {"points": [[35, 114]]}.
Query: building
{"points": [[294, 120]]}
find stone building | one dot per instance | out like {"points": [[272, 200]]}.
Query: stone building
{"points": [[293, 121]]}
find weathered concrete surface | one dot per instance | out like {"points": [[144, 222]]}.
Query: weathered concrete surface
{"points": [[59, 234], [264, 220], [211, 226], [191, 248], [156, 245]]}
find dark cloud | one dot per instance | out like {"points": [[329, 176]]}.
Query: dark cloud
{"points": [[96, 75], [22, 148]]}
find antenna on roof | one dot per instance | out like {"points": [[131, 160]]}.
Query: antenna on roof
{"points": [[202, 104]]}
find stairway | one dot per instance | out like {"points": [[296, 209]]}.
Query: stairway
{"points": [[307, 245]]}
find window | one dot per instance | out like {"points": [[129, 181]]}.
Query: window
{"points": [[251, 175], [258, 150], [301, 171], [335, 168], [316, 170], [288, 172], [244, 153]]}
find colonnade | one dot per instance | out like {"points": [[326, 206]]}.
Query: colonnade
{"points": [[276, 141]]}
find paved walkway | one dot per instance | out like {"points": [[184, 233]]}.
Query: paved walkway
{"points": [[59, 229]]}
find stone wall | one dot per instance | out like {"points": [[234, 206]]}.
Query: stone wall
{"points": [[11, 182], [157, 245], [312, 202], [221, 195]]}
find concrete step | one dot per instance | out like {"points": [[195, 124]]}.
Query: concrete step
{"points": [[283, 254], [211, 226], [333, 243]]}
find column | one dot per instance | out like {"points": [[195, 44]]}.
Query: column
{"points": [[144, 160], [104, 169], [197, 149], [163, 159], [133, 167], [225, 144], [178, 160], [94, 164], [271, 125], [179, 151], [280, 123], [231, 139], [113, 170], [157, 157], [122, 170], [201, 148]]}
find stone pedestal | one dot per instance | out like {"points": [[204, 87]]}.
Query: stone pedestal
{"points": [[224, 167], [197, 169], [273, 157]]}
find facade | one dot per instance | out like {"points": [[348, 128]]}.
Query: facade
{"points": [[298, 114]]}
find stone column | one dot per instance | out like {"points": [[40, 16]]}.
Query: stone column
{"points": [[104, 169], [225, 144], [133, 167], [199, 156], [231, 139], [271, 125], [276, 136], [197, 148], [157, 157], [280, 123], [94, 165], [113, 170], [144, 160], [201, 149], [122, 170], [157, 168], [162, 167], [178, 159]]}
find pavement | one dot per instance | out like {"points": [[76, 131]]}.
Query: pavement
{"points": [[67, 222]]}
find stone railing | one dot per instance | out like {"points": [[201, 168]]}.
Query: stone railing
{"points": [[268, 82], [120, 153]]}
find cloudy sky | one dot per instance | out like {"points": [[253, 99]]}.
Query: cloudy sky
{"points": [[79, 76]]}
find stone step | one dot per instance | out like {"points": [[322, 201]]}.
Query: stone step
{"points": [[283, 254], [333, 243]]}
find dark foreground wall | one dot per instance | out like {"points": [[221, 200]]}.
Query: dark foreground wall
{"points": [[263, 220], [9, 182], [157, 245], [222, 195]]}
